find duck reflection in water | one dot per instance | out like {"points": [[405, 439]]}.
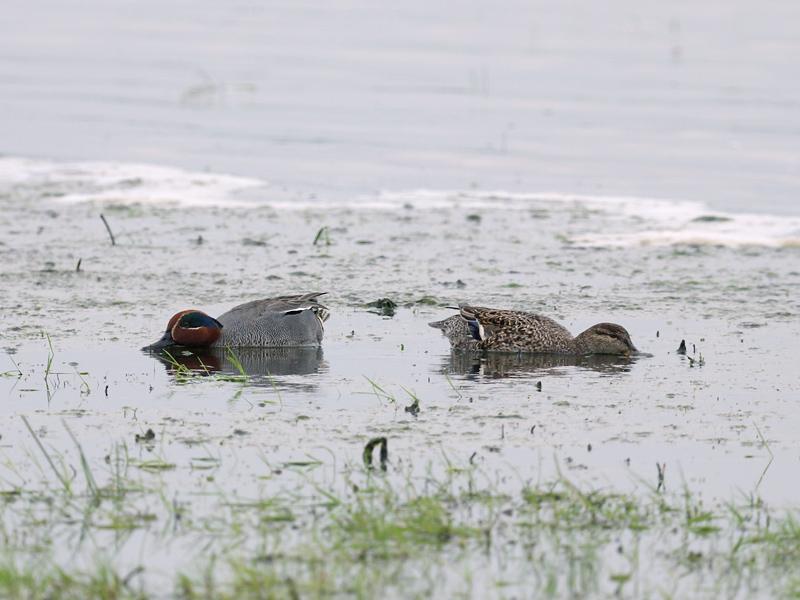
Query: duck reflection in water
{"points": [[497, 365], [258, 364]]}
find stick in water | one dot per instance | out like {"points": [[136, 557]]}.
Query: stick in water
{"points": [[110, 233]]}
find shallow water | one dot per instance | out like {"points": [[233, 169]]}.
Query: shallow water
{"points": [[634, 166], [736, 306]]}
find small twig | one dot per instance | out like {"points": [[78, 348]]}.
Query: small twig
{"points": [[661, 467], [771, 455], [16, 366], [108, 228], [84, 384], [322, 236], [452, 385], [763, 440], [78, 266], [50, 356]]}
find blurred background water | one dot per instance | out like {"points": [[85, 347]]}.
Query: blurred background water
{"points": [[678, 100]]}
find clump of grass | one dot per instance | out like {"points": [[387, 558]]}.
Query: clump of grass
{"points": [[17, 372], [382, 526], [562, 504], [184, 374], [231, 356], [386, 307], [181, 371], [380, 393]]}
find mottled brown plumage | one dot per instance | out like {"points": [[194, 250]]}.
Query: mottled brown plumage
{"points": [[516, 331], [499, 330]]}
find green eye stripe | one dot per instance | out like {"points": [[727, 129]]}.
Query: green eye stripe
{"points": [[191, 320]]}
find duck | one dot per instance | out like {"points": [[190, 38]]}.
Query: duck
{"points": [[282, 321], [456, 329], [477, 328]]}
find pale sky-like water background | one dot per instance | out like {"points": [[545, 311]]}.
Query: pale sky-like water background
{"points": [[678, 100]]}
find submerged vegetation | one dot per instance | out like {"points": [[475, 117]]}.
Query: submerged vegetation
{"points": [[187, 366]]}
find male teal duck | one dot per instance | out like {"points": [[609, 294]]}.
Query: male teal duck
{"points": [[498, 330], [268, 323]]}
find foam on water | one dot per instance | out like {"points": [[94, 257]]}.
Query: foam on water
{"points": [[741, 230], [624, 221], [602, 221], [127, 183]]}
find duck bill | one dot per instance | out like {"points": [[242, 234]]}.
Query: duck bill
{"points": [[636, 353], [165, 341], [436, 324]]}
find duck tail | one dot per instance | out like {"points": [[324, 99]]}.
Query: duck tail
{"points": [[308, 302], [322, 312], [310, 297]]}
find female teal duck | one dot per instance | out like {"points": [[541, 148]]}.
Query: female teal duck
{"points": [[268, 323], [498, 330]]}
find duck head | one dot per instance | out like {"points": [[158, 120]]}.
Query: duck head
{"points": [[189, 328], [605, 338]]}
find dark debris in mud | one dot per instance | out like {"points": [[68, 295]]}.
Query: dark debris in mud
{"points": [[147, 436], [413, 408], [370, 448]]}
